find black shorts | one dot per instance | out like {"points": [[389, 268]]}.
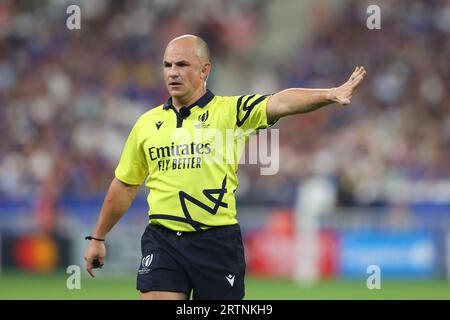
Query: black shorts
{"points": [[210, 263]]}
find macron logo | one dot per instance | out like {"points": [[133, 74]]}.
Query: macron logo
{"points": [[158, 124], [230, 279]]}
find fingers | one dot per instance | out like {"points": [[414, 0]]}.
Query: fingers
{"points": [[89, 267], [346, 91], [354, 73], [95, 257], [356, 78], [357, 75]]}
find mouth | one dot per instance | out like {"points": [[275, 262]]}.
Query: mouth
{"points": [[175, 83]]}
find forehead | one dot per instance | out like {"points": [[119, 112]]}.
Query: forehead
{"points": [[180, 50]]}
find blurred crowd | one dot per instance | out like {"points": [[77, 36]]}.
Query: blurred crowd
{"points": [[68, 98], [391, 146]]}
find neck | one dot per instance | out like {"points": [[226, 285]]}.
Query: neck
{"points": [[180, 102]]}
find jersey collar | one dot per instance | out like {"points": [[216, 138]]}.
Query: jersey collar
{"points": [[203, 101]]}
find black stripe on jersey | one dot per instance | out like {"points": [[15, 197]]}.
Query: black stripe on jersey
{"points": [[208, 193], [195, 224], [221, 192], [246, 108]]}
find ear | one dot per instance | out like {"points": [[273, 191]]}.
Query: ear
{"points": [[206, 69]]}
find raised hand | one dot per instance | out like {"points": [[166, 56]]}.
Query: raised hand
{"points": [[344, 93]]}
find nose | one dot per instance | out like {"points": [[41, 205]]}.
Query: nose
{"points": [[173, 72]]}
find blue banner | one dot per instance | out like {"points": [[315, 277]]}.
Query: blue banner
{"points": [[405, 254]]}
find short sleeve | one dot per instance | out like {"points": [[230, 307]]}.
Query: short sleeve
{"points": [[132, 168], [251, 112]]}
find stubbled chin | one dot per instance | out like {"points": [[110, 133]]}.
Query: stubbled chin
{"points": [[176, 92]]}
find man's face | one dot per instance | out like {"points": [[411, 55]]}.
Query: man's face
{"points": [[183, 71]]}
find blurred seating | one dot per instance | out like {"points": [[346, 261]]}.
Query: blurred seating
{"points": [[68, 98]]}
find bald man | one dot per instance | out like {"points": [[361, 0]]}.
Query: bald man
{"points": [[192, 245], [186, 67]]}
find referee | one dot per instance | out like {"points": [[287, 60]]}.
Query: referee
{"points": [[193, 242]]}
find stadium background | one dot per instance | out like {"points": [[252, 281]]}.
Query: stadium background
{"points": [[359, 186]]}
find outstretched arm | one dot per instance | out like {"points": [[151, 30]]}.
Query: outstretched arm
{"points": [[297, 100], [117, 201]]}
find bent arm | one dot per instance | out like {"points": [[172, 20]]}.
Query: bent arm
{"points": [[298, 100], [117, 201]]}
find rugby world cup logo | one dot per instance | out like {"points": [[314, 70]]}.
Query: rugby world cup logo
{"points": [[201, 120], [203, 117], [147, 261]]}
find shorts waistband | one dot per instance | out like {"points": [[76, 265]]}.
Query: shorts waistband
{"points": [[219, 230]]}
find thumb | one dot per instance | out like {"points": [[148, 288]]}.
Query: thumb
{"points": [[344, 102]]}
